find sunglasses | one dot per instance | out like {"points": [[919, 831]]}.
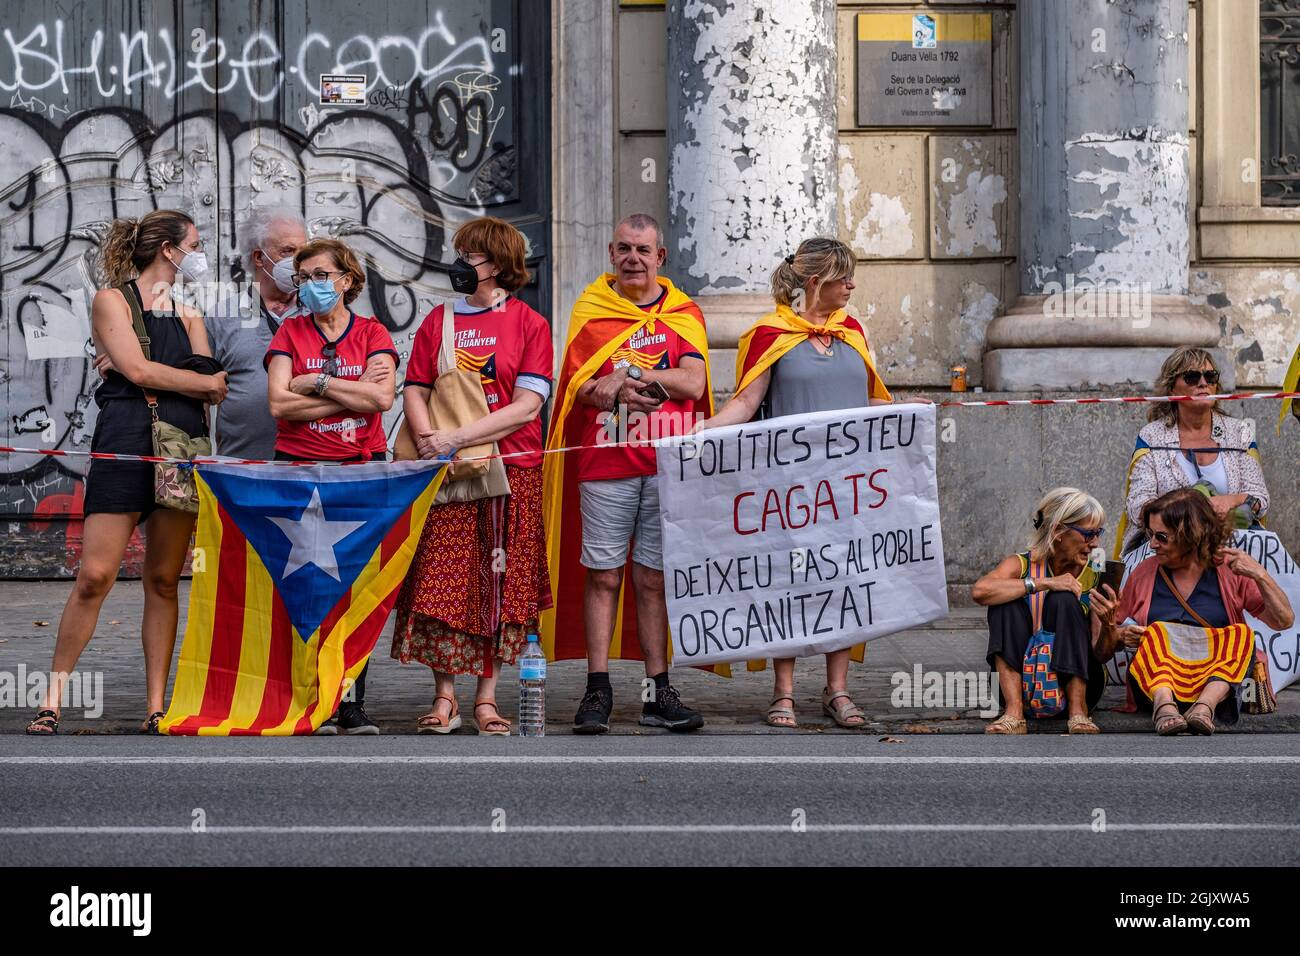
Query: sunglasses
{"points": [[1194, 378], [1087, 534], [1161, 536], [329, 352]]}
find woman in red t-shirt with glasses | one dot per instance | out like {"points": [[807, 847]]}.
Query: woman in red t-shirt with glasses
{"points": [[331, 376]]}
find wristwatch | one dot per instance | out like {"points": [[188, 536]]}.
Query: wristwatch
{"points": [[634, 373], [1030, 585], [1253, 503], [322, 383]]}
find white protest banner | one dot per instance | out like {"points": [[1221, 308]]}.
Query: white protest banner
{"points": [[801, 535], [1281, 647]]}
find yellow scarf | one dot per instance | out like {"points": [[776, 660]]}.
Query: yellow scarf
{"points": [[778, 332]]}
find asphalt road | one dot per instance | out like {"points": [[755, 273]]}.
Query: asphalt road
{"points": [[655, 799]]}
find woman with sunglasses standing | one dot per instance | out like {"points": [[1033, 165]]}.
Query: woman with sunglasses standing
{"points": [[1056, 575], [1192, 443], [331, 376]]}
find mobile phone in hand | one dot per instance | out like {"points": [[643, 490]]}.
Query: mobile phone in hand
{"points": [[1113, 575], [656, 392]]}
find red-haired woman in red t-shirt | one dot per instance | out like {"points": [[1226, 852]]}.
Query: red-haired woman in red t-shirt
{"points": [[480, 579]]}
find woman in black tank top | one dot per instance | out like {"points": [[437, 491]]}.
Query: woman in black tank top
{"points": [[120, 495]]}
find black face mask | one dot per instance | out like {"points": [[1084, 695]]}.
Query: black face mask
{"points": [[464, 277]]}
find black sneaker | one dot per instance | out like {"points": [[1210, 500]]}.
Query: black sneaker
{"points": [[667, 710], [328, 729], [353, 720], [593, 712]]}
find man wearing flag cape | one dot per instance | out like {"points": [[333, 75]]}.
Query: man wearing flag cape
{"points": [[635, 369]]}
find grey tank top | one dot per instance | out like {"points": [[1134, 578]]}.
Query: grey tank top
{"points": [[804, 380]]}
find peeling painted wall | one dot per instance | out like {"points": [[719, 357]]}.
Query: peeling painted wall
{"points": [[1258, 310], [751, 114]]}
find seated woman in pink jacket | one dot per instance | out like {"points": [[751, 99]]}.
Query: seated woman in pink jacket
{"points": [[1188, 676]]}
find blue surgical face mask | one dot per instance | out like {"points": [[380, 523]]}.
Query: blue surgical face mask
{"points": [[318, 298]]}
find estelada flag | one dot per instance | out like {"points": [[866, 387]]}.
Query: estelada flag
{"points": [[1183, 657], [777, 333], [602, 321], [295, 572]]}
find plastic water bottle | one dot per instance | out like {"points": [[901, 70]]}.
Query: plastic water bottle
{"points": [[532, 690]]}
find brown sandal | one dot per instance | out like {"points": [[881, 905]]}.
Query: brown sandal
{"points": [[843, 714], [1081, 724], [498, 720], [431, 723], [1006, 724], [1202, 727], [782, 717], [44, 724], [1169, 726]]}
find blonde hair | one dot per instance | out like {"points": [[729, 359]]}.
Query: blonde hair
{"points": [[820, 258], [1058, 508], [132, 244], [1186, 358]]}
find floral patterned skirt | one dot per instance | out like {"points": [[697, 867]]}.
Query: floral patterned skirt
{"points": [[478, 581]]}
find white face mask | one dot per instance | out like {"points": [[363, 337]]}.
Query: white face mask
{"points": [[194, 267], [281, 273]]}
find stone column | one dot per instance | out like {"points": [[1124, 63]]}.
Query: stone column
{"points": [[1104, 198], [752, 140]]}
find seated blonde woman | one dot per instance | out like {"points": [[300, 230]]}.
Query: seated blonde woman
{"points": [[1194, 443], [1192, 679], [1055, 573]]}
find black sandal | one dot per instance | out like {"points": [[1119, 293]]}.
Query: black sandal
{"points": [[150, 725], [48, 723]]}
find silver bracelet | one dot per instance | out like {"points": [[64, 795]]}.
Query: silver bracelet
{"points": [[322, 383], [1030, 586]]}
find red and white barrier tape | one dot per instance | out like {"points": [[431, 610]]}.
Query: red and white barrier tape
{"points": [[152, 459]]}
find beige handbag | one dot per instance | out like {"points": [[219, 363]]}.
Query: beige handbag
{"points": [[456, 400]]}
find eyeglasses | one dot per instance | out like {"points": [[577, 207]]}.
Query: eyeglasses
{"points": [[1087, 534], [329, 352], [1161, 536], [1194, 378], [320, 275]]}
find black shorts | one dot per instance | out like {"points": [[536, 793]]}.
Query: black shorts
{"points": [[121, 487]]}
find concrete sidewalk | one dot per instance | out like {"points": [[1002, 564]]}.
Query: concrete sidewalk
{"points": [[397, 694]]}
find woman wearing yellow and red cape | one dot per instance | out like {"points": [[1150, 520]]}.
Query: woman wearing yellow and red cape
{"points": [[635, 368], [809, 355]]}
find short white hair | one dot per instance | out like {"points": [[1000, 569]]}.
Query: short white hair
{"points": [[1058, 508], [263, 222]]}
